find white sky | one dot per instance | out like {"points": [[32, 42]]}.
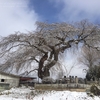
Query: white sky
{"points": [[15, 15]]}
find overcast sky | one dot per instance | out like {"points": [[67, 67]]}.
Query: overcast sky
{"points": [[21, 15]]}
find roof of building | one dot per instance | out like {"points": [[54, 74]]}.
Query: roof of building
{"points": [[27, 78], [9, 74], [20, 76]]}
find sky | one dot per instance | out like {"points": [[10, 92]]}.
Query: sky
{"points": [[21, 15]]}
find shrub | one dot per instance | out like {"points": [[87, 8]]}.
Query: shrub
{"points": [[94, 89]]}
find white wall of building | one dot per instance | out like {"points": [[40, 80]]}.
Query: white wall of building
{"points": [[11, 79]]}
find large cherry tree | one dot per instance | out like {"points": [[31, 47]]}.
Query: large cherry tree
{"points": [[43, 46]]}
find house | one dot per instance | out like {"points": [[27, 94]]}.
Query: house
{"points": [[8, 80]]}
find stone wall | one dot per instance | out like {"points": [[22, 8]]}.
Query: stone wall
{"points": [[61, 86]]}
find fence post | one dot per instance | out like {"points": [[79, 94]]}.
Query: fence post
{"points": [[76, 81]]}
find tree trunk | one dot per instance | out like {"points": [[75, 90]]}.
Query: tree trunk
{"points": [[43, 71], [40, 69]]}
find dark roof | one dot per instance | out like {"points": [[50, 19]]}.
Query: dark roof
{"points": [[27, 78]]}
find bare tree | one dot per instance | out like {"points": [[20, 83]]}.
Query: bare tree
{"points": [[90, 57], [44, 45]]}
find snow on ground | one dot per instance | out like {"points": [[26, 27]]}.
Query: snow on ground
{"points": [[24, 93], [65, 95]]}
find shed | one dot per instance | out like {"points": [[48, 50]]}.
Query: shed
{"points": [[9, 79]]}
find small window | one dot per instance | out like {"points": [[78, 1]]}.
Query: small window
{"points": [[2, 80]]}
